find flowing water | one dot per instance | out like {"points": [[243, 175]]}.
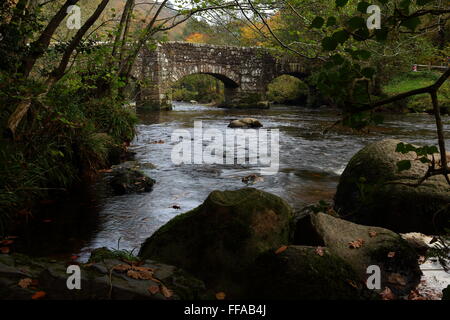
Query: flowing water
{"points": [[310, 165]]}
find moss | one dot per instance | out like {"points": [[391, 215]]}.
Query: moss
{"points": [[101, 254]]}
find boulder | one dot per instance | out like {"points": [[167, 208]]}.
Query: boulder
{"points": [[372, 191], [220, 239], [245, 123], [125, 181], [361, 246], [303, 273]]}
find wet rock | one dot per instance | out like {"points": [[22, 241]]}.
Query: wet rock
{"points": [[372, 191], [245, 123], [252, 179], [362, 246], [126, 181], [99, 281], [300, 273], [220, 239]]}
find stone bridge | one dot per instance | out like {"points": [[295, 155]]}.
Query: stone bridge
{"points": [[245, 71]]}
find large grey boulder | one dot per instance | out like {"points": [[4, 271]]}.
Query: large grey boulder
{"points": [[372, 191]]}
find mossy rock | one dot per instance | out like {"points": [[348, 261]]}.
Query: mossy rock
{"points": [[372, 191], [127, 180], [300, 273], [222, 237], [397, 260]]}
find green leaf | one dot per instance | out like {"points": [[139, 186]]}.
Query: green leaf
{"points": [[404, 165], [363, 54], [381, 34], [356, 23], [423, 2], [338, 59], [368, 72], [317, 22], [332, 21], [362, 6], [411, 23], [341, 3], [341, 36], [329, 44]]}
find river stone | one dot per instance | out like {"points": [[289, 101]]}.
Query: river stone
{"points": [[221, 238], [300, 273], [397, 260], [126, 181], [369, 192], [245, 123]]}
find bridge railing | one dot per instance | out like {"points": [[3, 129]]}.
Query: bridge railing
{"points": [[429, 67]]}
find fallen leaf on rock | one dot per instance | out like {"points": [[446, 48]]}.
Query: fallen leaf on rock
{"points": [[176, 207], [353, 284], [142, 269], [166, 292], [106, 171], [281, 250], [415, 295], [4, 250], [356, 244], [373, 234], [396, 278], [122, 267], [141, 275], [25, 283], [134, 274], [320, 251], [221, 296], [391, 254], [38, 295], [153, 289], [387, 294]]}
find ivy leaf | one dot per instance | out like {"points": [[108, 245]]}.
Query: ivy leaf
{"points": [[404, 165], [356, 23]]}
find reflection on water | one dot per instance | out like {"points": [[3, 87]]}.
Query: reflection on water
{"points": [[310, 165]]}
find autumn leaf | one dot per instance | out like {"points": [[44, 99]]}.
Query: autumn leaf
{"points": [[38, 295], [391, 254], [165, 291], [141, 275], [4, 250], [415, 295], [25, 283], [121, 267], [387, 294], [320, 251], [373, 234], [356, 244], [396, 278], [281, 250], [153, 289], [352, 283], [142, 269], [220, 296]]}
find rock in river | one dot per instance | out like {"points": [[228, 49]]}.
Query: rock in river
{"points": [[372, 191], [245, 123], [223, 236], [126, 180]]}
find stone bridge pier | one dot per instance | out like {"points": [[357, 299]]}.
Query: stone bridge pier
{"points": [[245, 71]]}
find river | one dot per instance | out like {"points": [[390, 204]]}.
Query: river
{"points": [[310, 165]]}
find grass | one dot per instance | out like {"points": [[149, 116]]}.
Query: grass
{"points": [[415, 80]]}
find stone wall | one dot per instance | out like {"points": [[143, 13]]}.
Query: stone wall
{"points": [[245, 71]]}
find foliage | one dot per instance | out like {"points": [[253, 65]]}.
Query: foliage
{"points": [[201, 88]]}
